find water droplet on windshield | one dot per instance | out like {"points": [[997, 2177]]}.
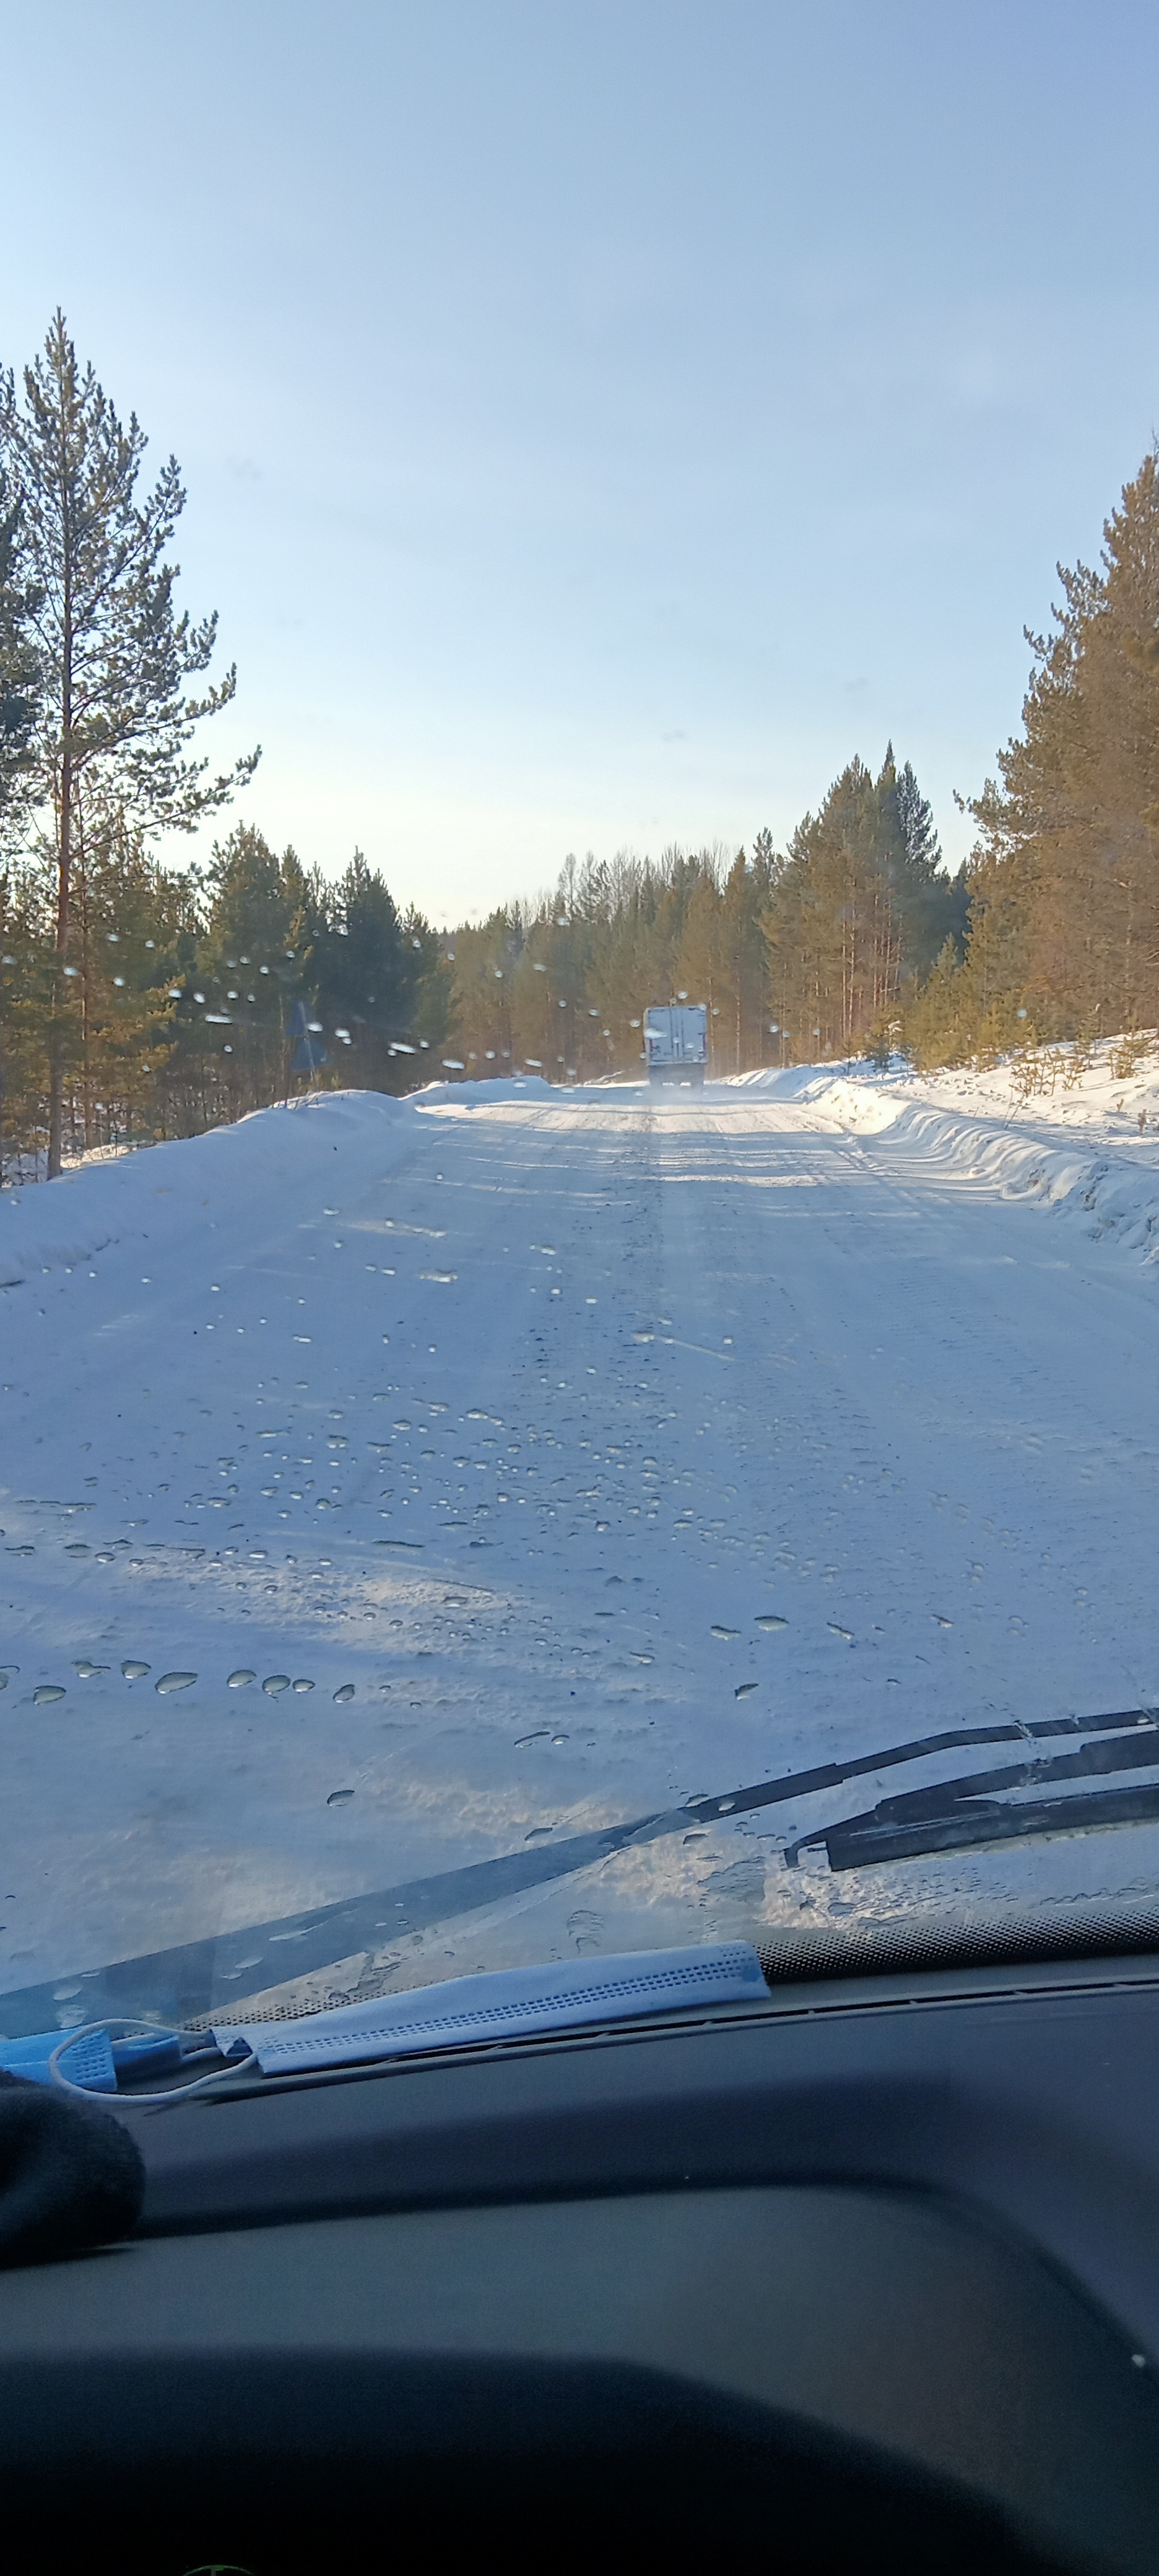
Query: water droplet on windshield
{"points": [[85, 1670], [768, 1619], [275, 1683], [134, 1672], [345, 1692], [340, 1797], [539, 1736], [725, 1632], [303, 1686], [238, 1680], [47, 1692], [744, 1690], [175, 1682]]}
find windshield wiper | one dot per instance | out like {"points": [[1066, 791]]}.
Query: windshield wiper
{"points": [[192, 1980], [955, 1815]]}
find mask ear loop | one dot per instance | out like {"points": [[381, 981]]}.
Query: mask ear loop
{"points": [[132, 2030]]}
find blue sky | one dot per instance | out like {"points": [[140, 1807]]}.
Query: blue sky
{"points": [[600, 421]]}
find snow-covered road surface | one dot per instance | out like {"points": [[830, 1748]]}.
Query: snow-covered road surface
{"points": [[560, 1457]]}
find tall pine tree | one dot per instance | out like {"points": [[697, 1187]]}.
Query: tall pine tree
{"points": [[114, 655], [1070, 838]]}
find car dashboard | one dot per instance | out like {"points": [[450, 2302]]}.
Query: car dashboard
{"points": [[874, 2266]]}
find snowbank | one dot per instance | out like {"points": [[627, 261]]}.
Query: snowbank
{"points": [[54, 1224], [484, 1094], [1090, 1152]]}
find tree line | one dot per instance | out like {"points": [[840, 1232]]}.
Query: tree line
{"points": [[140, 1000], [855, 940], [192, 997], [796, 954]]}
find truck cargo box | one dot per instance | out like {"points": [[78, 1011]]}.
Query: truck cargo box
{"points": [[676, 1041]]}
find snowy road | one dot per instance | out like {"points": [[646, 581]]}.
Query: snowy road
{"points": [[511, 1425]]}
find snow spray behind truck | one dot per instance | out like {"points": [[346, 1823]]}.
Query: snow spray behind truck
{"points": [[676, 1042]]}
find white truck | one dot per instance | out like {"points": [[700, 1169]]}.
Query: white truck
{"points": [[676, 1042]]}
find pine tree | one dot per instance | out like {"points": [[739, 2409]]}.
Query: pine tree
{"points": [[1073, 830], [370, 972], [25, 987], [483, 959], [859, 906], [19, 675], [931, 906], [743, 898], [120, 1012], [701, 969], [916, 816], [240, 985], [113, 653], [833, 925]]}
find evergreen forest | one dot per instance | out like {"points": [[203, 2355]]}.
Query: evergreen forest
{"points": [[139, 999]]}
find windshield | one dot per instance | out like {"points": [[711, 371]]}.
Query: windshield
{"points": [[578, 1240]]}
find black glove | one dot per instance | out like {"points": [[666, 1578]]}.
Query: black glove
{"points": [[70, 2176]]}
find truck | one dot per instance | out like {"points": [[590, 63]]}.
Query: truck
{"points": [[676, 1042]]}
